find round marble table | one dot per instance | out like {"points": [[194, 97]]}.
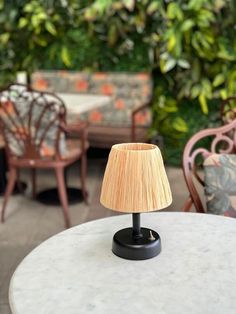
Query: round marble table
{"points": [[75, 271]]}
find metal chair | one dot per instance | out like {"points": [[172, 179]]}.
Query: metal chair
{"points": [[221, 140], [34, 128]]}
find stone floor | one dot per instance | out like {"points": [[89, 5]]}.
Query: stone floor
{"points": [[28, 222]]}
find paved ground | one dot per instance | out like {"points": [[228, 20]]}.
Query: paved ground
{"points": [[28, 222]]}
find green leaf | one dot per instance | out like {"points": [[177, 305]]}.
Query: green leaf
{"points": [[174, 11], [4, 38], [40, 41], [203, 103], [50, 28], [35, 21], [196, 70], [223, 93], [90, 14], [195, 91], [42, 16], [180, 125], [206, 87], [129, 4], [169, 65], [112, 35], [218, 80], [171, 42], [170, 105], [225, 55], [183, 64], [22, 22], [153, 6], [65, 56], [187, 24], [117, 5], [101, 6], [232, 82], [29, 7], [195, 4]]}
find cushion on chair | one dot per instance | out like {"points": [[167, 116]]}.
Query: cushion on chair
{"points": [[220, 184], [73, 148]]}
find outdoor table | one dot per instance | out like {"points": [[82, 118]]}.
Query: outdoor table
{"points": [[76, 272]]}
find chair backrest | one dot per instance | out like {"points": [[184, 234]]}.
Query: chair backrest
{"points": [[228, 110], [220, 140], [30, 122]]}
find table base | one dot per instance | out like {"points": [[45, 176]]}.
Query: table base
{"points": [[125, 245], [51, 197]]}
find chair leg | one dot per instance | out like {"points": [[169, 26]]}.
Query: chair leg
{"points": [[33, 178], [9, 189], [187, 205], [63, 195], [83, 171]]}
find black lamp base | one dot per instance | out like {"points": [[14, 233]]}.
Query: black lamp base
{"points": [[145, 246]]}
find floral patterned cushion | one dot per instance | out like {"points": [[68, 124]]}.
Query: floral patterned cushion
{"points": [[15, 109], [220, 184], [127, 90]]}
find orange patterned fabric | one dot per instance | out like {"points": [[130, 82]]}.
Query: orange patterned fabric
{"points": [[107, 89], [220, 182], [95, 116], [41, 84], [81, 86], [119, 104], [128, 91]]}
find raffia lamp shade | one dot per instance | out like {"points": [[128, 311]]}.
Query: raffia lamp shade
{"points": [[135, 180]]}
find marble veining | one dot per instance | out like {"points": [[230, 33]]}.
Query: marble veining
{"points": [[75, 271]]}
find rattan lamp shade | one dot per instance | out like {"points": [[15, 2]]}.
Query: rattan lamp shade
{"points": [[135, 180]]}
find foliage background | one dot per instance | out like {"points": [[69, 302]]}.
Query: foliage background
{"points": [[189, 46]]}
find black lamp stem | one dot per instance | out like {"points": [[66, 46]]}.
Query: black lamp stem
{"points": [[136, 225]]}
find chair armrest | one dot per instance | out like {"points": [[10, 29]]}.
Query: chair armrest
{"points": [[133, 122], [75, 127], [78, 128]]}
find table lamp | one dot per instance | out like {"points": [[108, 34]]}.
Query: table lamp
{"points": [[134, 182]]}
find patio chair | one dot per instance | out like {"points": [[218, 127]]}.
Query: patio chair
{"points": [[212, 168], [34, 128]]}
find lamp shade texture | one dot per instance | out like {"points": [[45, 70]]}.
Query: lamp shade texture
{"points": [[135, 180]]}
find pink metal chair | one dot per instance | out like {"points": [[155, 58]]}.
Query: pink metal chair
{"points": [[221, 140], [34, 128]]}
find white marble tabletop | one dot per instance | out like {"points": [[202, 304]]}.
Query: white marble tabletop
{"points": [[75, 271], [80, 103]]}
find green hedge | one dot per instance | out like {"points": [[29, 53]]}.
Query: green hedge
{"points": [[189, 46], [190, 112]]}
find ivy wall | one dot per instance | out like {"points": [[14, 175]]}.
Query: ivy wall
{"points": [[189, 46]]}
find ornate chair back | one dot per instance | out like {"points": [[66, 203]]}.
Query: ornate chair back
{"points": [[30, 122]]}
